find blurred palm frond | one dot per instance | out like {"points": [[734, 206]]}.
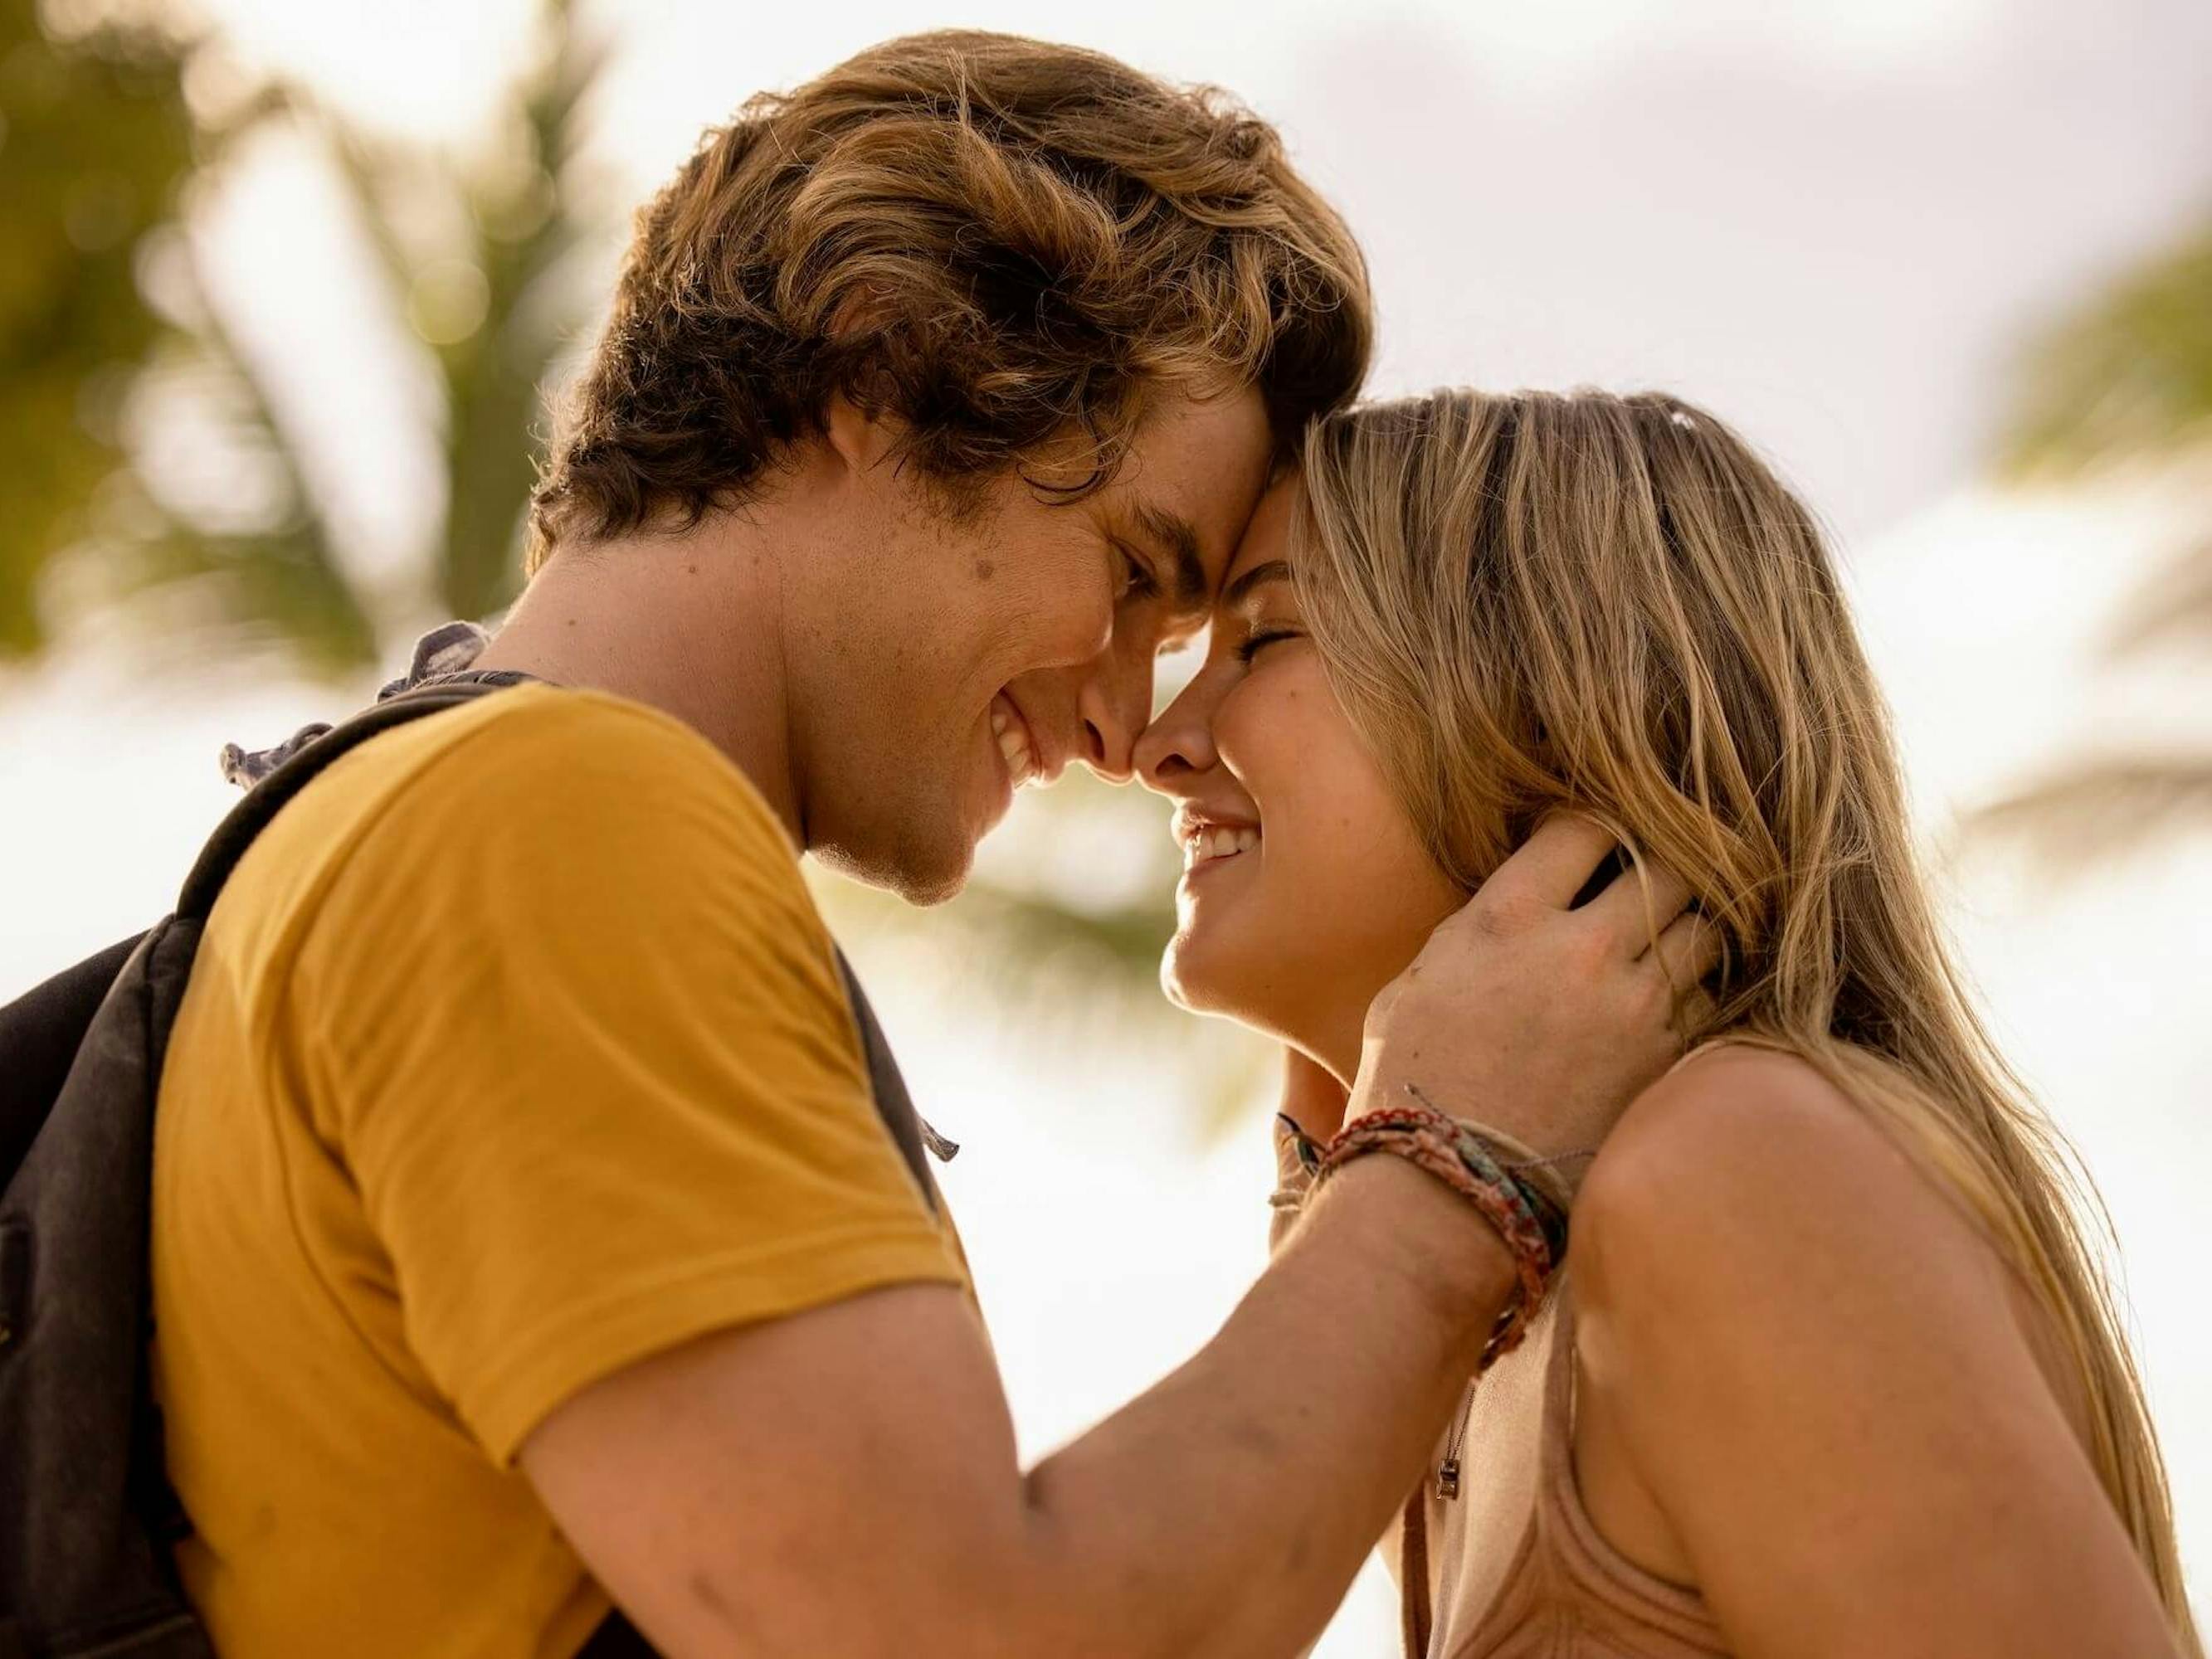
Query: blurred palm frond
{"points": [[495, 299], [2173, 605], [273, 580], [2128, 377], [2106, 806], [497, 312], [97, 144]]}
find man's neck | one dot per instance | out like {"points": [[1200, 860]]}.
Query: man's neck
{"points": [[691, 625]]}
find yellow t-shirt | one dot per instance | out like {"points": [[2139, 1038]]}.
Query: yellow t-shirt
{"points": [[515, 1052]]}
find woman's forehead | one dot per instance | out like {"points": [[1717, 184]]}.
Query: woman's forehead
{"points": [[1267, 534]]}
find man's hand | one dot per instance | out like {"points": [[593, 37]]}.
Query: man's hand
{"points": [[1533, 1016]]}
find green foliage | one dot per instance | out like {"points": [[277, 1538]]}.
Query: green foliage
{"points": [[496, 312], [98, 149], [273, 578], [94, 143], [2128, 377], [2130, 374]]}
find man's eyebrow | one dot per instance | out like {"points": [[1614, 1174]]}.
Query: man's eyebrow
{"points": [[1172, 534], [1275, 570]]}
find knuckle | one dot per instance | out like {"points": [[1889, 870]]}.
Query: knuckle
{"points": [[1591, 952], [1491, 919]]}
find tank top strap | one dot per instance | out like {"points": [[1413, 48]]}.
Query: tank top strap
{"points": [[1667, 1621], [1557, 1462]]}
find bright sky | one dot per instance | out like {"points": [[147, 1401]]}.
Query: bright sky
{"points": [[1830, 222]]}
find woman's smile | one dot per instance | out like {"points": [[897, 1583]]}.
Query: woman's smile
{"points": [[1210, 842], [1338, 892]]}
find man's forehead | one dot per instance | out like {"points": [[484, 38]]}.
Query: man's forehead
{"points": [[1192, 569], [1199, 466]]}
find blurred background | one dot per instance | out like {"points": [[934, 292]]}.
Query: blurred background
{"points": [[282, 287]]}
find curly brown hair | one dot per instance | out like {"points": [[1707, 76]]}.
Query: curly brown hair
{"points": [[998, 241]]}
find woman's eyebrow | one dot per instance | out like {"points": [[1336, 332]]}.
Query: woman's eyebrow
{"points": [[1275, 570]]}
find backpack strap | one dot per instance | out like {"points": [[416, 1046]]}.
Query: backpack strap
{"points": [[893, 1103], [274, 792], [39, 1034]]}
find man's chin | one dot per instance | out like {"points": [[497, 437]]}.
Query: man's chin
{"points": [[922, 876]]}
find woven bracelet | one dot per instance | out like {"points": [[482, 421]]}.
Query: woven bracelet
{"points": [[1448, 1151], [1529, 1231], [1540, 1172]]}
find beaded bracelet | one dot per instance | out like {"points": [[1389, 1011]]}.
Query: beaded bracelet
{"points": [[1529, 1214]]}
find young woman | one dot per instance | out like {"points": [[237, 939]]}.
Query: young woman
{"points": [[1833, 1370]]}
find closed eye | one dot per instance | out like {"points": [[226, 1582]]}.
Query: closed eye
{"points": [[1252, 645], [1138, 582]]}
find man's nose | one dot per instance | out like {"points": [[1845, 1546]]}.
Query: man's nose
{"points": [[1113, 706]]}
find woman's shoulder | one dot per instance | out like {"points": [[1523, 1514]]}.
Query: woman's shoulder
{"points": [[1749, 1153], [1735, 1113]]}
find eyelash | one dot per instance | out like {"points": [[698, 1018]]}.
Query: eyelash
{"points": [[1249, 648], [1141, 584]]}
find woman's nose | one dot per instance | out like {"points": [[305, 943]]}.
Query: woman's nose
{"points": [[1179, 743]]}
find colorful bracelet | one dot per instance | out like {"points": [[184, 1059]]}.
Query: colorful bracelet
{"points": [[1529, 1214], [1547, 1191]]}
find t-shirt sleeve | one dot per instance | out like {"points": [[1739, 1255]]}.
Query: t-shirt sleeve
{"points": [[568, 1017]]}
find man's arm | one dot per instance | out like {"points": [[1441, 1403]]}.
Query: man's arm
{"points": [[844, 1481]]}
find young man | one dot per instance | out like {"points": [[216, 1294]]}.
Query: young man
{"points": [[525, 1235]]}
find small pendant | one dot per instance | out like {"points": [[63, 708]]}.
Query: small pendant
{"points": [[1448, 1478]]}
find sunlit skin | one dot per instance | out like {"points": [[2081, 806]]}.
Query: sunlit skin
{"points": [[889, 666], [846, 641], [1296, 934], [1807, 1387]]}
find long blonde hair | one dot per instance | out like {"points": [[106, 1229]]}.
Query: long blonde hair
{"points": [[1540, 600]]}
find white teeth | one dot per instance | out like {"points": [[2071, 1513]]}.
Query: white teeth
{"points": [[1205, 841], [1013, 744]]}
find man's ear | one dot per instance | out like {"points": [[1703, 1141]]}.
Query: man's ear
{"points": [[859, 440]]}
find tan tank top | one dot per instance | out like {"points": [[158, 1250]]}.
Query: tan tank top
{"points": [[1565, 1593]]}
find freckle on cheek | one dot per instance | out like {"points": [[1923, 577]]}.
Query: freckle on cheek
{"points": [[985, 570]]}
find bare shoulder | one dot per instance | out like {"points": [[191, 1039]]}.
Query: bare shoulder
{"points": [[1730, 1121], [1746, 1174]]}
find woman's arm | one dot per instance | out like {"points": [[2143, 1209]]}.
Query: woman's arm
{"points": [[1822, 1376]]}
